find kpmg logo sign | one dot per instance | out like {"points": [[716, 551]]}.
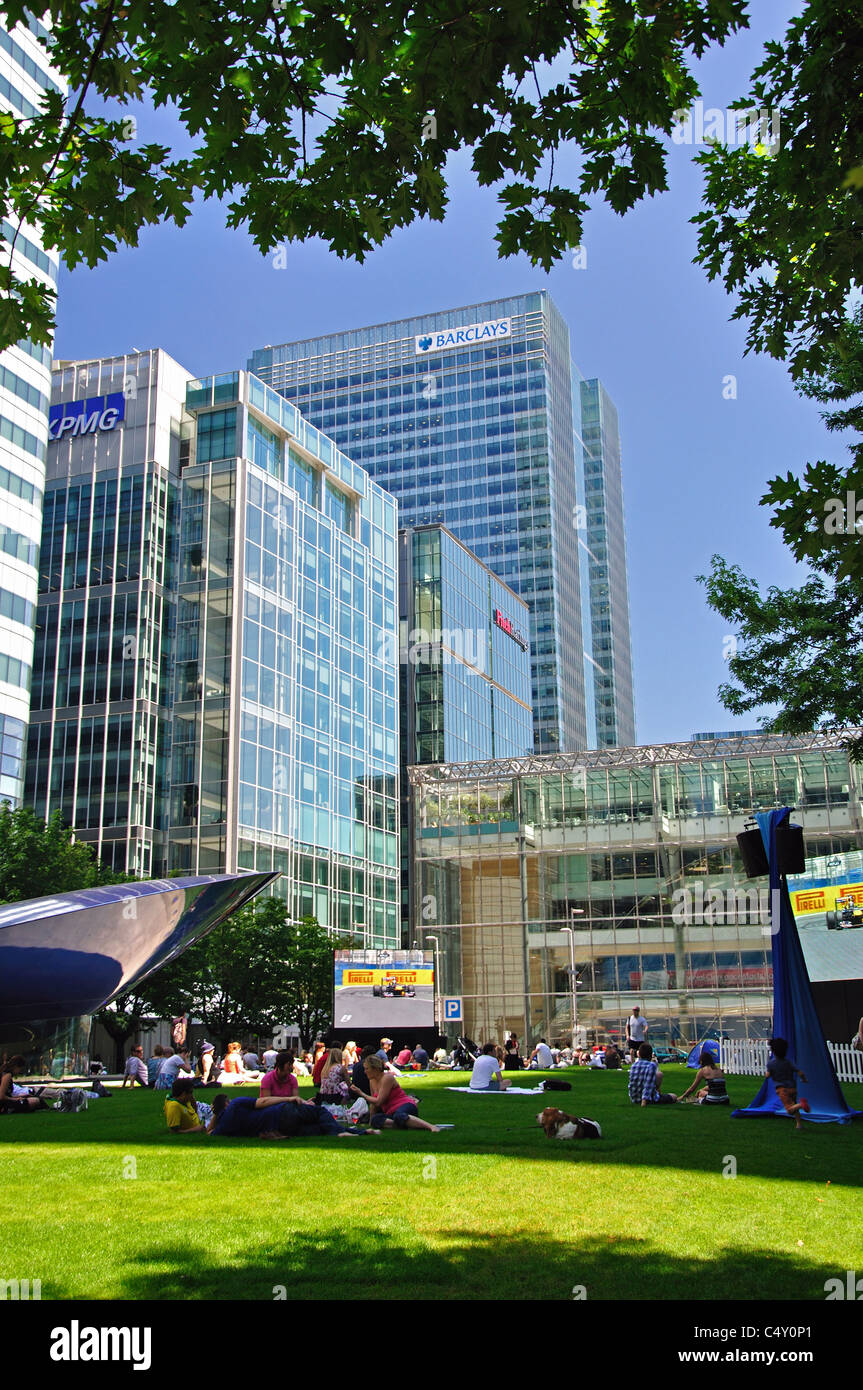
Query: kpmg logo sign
{"points": [[92, 416], [492, 330]]}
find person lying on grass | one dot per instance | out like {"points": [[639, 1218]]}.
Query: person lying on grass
{"points": [[268, 1117], [390, 1106], [712, 1079], [181, 1112]]}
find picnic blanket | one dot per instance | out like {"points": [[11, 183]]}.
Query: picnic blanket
{"points": [[510, 1091]]}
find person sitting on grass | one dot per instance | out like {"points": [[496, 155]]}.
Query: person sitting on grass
{"points": [[281, 1082], [335, 1082], [174, 1065], [782, 1072], [486, 1074], [387, 1102], [234, 1072], [154, 1064], [207, 1065], [645, 1080], [135, 1068], [269, 1117], [14, 1099], [713, 1092]]}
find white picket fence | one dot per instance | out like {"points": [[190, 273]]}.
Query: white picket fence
{"points": [[748, 1057]]}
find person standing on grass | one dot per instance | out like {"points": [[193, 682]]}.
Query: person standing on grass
{"points": [[636, 1032], [782, 1071], [387, 1102], [135, 1069]]}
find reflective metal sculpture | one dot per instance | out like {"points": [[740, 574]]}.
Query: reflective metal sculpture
{"points": [[71, 953]]}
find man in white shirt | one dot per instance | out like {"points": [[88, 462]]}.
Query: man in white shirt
{"points": [[636, 1032], [486, 1074], [542, 1053], [136, 1069], [270, 1058]]}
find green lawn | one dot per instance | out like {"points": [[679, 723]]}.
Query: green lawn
{"points": [[490, 1208]]}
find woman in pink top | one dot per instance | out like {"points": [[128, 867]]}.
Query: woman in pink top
{"points": [[393, 1108]]}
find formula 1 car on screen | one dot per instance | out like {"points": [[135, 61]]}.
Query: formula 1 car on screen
{"points": [[847, 913], [391, 989]]}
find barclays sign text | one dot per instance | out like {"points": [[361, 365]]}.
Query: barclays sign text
{"points": [[95, 414], [490, 331]]}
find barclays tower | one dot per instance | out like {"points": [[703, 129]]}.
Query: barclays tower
{"points": [[467, 417]]}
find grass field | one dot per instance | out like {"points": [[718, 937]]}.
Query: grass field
{"points": [[489, 1209]]}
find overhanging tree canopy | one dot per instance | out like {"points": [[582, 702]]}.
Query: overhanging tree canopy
{"points": [[338, 122]]}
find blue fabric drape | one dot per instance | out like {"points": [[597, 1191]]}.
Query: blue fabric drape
{"points": [[794, 1015]]}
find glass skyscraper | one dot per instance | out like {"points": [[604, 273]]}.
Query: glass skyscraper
{"points": [[285, 749], [464, 667], [604, 567], [216, 680], [100, 731], [466, 416], [25, 390]]}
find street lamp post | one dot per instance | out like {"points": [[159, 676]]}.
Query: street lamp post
{"points": [[573, 981], [436, 979]]}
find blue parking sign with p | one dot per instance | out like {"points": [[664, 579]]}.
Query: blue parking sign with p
{"points": [[452, 1010]]}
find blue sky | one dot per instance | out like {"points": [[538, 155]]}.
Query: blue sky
{"points": [[641, 316]]}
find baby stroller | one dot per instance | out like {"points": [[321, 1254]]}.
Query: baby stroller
{"points": [[464, 1055]]}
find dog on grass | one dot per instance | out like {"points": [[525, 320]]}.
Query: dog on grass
{"points": [[557, 1125]]}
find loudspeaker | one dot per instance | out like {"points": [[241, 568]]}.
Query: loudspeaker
{"points": [[753, 853], [790, 851], [789, 848]]}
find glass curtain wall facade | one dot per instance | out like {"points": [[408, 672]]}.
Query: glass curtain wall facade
{"points": [[100, 726], [635, 851], [466, 417], [25, 392], [603, 555], [285, 750], [464, 666]]}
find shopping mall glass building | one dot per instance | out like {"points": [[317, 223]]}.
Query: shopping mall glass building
{"points": [[633, 851], [217, 648], [25, 389], [467, 417]]}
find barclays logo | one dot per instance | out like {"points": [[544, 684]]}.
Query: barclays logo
{"points": [[469, 336], [94, 415]]}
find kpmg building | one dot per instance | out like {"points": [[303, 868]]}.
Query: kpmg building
{"points": [[25, 390], [467, 418], [216, 660]]}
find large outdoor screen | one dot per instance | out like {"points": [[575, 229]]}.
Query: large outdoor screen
{"points": [[828, 905], [384, 990]]}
